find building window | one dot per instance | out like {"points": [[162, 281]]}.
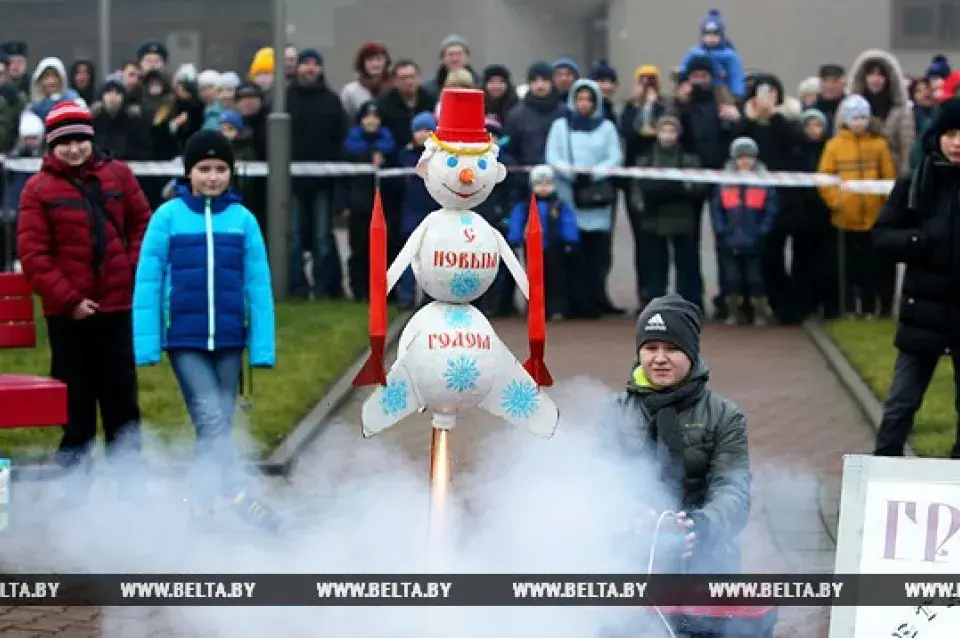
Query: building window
{"points": [[925, 24]]}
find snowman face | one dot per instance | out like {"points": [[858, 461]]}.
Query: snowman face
{"points": [[460, 181]]}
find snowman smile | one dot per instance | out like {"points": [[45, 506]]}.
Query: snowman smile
{"points": [[463, 195]]}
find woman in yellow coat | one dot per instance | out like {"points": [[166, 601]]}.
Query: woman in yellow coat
{"points": [[856, 152]]}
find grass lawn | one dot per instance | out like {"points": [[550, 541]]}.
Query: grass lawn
{"points": [[316, 342], [868, 345]]}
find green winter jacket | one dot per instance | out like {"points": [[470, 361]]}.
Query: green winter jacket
{"points": [[668, 207], [703, 453]]}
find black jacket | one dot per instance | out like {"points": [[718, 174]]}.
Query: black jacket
{"points": [[527, 125], [123, 133], [319, 124], [920, 227]]}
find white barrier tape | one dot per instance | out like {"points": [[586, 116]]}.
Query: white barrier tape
{"points": [[327, 169]]}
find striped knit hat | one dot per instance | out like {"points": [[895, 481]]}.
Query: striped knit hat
{"points": [[68, 121]]}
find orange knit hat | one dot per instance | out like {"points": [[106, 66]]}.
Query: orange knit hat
{"points": [[263, 62]]}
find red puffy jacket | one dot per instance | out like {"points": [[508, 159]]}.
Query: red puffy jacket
{"points": [[68, 249]]}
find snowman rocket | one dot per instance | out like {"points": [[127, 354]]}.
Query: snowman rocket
{"points": [[449, 357]]}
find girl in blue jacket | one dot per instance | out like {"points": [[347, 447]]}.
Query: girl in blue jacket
{"points": [[203, 294]]}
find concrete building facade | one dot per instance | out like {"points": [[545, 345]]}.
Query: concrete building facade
{"points": [[791, 37]]}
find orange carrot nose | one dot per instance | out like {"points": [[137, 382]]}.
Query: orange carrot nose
{"points": [[467, 176]]}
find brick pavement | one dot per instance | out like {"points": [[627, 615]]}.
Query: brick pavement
{"points": [[801, 422]]}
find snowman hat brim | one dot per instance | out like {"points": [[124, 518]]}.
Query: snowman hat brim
{"points": [[462, 148]]}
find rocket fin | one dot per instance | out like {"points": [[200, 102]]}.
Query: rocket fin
{"points": [[516, 399], [390, 403]]}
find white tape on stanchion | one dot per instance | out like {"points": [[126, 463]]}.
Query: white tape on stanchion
{"points": [[334, 169]]}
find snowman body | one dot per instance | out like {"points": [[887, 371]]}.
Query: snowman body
{"points": [[449, 357], [458, 258]]}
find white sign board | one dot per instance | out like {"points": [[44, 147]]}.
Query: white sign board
{"points": [[898, 516]]}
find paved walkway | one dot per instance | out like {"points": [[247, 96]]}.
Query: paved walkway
{"points": [[800, 424]]}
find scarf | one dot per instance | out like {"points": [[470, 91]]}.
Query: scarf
{"points": [[542, 104], [880, 103], [586, 123]]}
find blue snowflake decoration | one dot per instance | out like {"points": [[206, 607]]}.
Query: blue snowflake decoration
{"points": [[464, 285], [393, 397], [520, 399], [457, 317], [461, 374], [466, 219]]}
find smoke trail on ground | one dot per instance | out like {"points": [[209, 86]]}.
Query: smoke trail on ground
{"points": [[569, 504]]}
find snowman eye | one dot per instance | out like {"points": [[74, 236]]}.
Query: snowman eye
{"points": [[452, 161], [482, 164]]}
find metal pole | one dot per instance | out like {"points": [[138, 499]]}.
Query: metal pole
{"points": [[278, 161], [105, 37]]}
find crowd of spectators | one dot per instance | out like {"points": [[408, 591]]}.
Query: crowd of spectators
{"points": [[864, 120]]}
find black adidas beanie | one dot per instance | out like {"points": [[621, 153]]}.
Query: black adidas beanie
{"points": [[207, 145], [672, 319]]}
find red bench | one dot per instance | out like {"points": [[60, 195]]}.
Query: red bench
{"points": [[25, 401]]}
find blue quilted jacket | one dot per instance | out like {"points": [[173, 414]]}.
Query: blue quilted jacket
{"points": [[203, 281]]}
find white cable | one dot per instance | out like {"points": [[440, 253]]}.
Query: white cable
{"points": [[653, 553]]}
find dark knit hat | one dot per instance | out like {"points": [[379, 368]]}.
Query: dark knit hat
{"points": [[947, 118], [568, 63], [113, 85], [310, 54], [204, 145], [601, 70], [700, 63], [248, 89], [68, 121], [541, 70], [939, 67], [496, 71], [15, 48], [672, 319], [367, 108], [153, 46]]}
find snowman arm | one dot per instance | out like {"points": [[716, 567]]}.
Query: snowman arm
{"points": [[513, 265], [403, 260]]}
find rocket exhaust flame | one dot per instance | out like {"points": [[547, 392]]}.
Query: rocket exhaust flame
{"points": [[439, 484]]}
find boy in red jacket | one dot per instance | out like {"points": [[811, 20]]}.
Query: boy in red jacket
{"points": [[82, 218]]}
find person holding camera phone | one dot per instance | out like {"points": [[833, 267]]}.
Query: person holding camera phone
{"points": [[697, 439]]}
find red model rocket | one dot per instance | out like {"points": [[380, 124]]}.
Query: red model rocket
{"points": [[536, 310], [372, 372]]}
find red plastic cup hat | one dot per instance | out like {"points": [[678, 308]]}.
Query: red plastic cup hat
{"points": [[462, 117], [68, 121]]}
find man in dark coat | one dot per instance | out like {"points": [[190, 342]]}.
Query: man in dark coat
{"points": [[317, 116], [920, 227], [696, 438]]}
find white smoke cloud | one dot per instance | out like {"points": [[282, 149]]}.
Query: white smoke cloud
{"points": [[518, 504]]}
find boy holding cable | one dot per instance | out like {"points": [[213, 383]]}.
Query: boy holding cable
{"points": [[698, 439]]}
